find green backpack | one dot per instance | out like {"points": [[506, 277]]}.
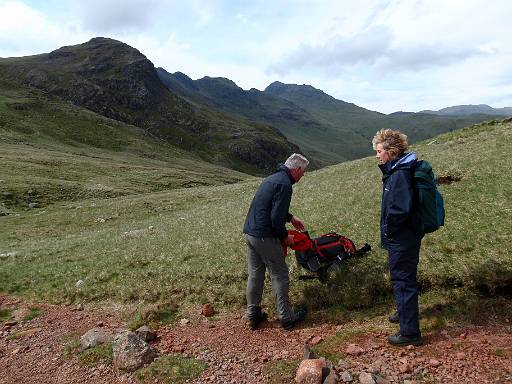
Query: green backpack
{"points": [[428, 213]]}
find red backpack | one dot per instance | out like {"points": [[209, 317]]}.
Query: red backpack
{"points": [[319, 254]]}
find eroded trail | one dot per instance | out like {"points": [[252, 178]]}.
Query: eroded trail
{"points": [[36, 351]]}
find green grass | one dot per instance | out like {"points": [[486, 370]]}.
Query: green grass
{"points": [[100, 354], [190, 248], [33, 313], [71, 345], [5, 314], [54, 151], [283, 371], [333, 348], [171, 370], [153, 315]]}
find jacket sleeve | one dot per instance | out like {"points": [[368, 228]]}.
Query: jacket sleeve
{"points": [[280, 206], [401, 201]]}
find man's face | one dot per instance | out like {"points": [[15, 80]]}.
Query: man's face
{"points": [[382, 155], [297, 173]]}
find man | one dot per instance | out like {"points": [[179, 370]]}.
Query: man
{"points": [[266, 236], [397, 234]]}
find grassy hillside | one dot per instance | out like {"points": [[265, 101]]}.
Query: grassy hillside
{"points": [[52, 150], [186, 245]]}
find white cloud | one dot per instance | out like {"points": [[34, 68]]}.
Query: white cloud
{"points": [[100, 16], [25, 31]]}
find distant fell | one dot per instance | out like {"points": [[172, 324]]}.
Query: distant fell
{"points": [[464, 110], [117, 81], [341, 116]]}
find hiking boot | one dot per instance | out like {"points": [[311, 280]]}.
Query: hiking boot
{"points": [[257, 319], [300, 315], [393, 318], [399, 340]]}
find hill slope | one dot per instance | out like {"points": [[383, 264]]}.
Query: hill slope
{"points": [[189, 248], [118, 82], [52, 150]]}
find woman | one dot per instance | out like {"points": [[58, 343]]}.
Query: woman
{"points": [[397, 235]]}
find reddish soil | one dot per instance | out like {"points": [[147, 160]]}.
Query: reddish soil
{"points": [[235, 354]]}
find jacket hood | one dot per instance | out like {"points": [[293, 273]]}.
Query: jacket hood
{"points": [[283, 168], [405, 161]]}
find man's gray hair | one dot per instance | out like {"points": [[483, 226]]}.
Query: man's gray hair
{"points": [[296, 161]]}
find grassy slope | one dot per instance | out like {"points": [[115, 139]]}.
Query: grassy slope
{"points": [[52, 150], [191, 250]]}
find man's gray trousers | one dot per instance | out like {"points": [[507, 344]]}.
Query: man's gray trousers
{"points": [[267, 253]]}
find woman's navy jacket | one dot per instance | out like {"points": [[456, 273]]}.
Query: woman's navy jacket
{"points": [[396, 232], [268, 213]]}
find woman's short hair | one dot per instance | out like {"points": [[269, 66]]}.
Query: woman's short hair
{"points": [[393, 142], [296, 161]]}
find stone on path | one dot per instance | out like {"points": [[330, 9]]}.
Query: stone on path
{"points": [[366, 378], [130, 352], [94, 337], [310, 371], [207, 310], [146, 333], [354, 350], [346, 377]]}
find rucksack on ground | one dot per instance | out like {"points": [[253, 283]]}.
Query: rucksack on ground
{"points": [[323, 254], [428, 213]]}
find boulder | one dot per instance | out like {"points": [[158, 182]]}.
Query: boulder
{"points": [[310, 371], [94, 337], [146, 333], [131, 352], [331, 378]]}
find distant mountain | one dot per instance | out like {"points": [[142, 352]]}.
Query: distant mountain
{"points": [[338, 113], [117, 81], [314, 136], [464, 110], [328, 129]]}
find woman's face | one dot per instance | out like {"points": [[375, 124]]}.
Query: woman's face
{"points": [[382, 155]]}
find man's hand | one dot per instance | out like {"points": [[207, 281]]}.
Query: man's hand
{"points": [[285, 243], [297, 223], [288, 240]]}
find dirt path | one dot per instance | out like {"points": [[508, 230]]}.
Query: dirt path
{"points": [[34, 351]]}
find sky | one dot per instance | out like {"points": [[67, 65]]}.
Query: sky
{"points": [[383, 55]]}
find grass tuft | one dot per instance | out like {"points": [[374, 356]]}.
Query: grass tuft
{"points": [[100, 354], [171, 369], [5, 314], [283, 371]]}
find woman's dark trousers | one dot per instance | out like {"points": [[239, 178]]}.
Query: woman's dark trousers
{"points": [[403, 266]]}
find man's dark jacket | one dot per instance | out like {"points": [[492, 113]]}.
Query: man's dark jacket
{"points": [[268, 213], [396, 231]]}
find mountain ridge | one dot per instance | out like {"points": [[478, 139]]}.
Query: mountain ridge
{"points": [[117, 81], [328, 129]]}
